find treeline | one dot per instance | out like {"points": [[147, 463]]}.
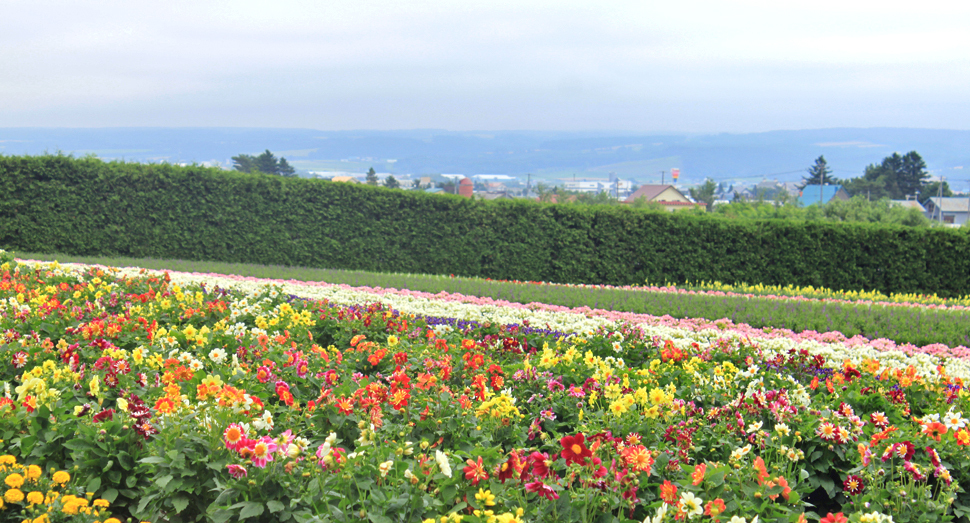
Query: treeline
{"points": [[86, 207]]}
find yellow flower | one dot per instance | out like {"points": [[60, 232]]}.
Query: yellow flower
{"points": [[103, 503], [35, 497], [61, 477], [485, 497], [13, 496], [112, 520], [14, 481]]}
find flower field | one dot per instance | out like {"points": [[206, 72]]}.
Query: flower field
{"points": [[171, 397]]}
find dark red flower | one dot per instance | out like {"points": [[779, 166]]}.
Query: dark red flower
{"points": [[574, 449], [853, 485]]}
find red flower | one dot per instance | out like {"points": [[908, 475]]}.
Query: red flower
{"points": [[668, 492], [542, 489], [574, 449], [715, 508], [834, 518], [475, 472], [540, 465]]}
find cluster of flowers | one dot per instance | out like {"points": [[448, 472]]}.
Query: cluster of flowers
{"points": [[41, 499], [575, 420]]}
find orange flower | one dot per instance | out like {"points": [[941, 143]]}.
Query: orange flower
{"points": [[715, 508], [935, 430], [962, 437], [759, 465], [697, 477], [668, 492]]}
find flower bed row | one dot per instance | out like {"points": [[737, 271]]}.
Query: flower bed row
{"points": [[177, 401]]}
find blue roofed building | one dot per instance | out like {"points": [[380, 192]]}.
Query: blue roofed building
{"points": [[810, 194]]}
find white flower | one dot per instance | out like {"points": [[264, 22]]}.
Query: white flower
{"points": [[442, 461], [755, 427], [293, 450], [385, 467], [265, 422], [954, 420], [690, 505], [217, 355], [332, 438], [782, 429]]}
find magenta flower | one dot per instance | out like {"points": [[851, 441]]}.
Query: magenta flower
{"points": [[237, 471]]}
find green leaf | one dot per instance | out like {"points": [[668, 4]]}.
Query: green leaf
{"points": [[274, 506], [180, 502], [251, 510], [152, 459], [93, 485], [125, 460], [79, 444], [162, 481], [378, 518], [110, 495]]}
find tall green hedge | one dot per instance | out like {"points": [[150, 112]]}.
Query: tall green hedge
{"points": [[86, 206]]}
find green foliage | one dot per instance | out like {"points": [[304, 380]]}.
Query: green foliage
{"points": [[371, 176], [856, 209], [818, 174], [897, 178], [264, 163], [704, 193], [86, 206], [391, 182]]}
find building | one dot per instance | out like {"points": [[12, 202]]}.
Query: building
{"points": [[666, 195], [616, 188], [908, 204], [952, 211], [810, 194]]}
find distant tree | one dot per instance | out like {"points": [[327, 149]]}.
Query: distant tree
{"points": [[283, 168], [912, 175], [932, 189], [817, 172], [704, 193], [266, 163], [243, 163], [391, 182], [371, 177], [897, 178]]}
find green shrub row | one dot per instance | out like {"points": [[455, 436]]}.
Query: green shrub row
{"points": [[84, 206]]}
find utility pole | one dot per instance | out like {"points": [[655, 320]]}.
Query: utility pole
{"points": [[820, 186], [942, 179], [662, 177]]}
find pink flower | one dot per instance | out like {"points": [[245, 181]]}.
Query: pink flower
{"points": [[263, 451], [237, 471], [542, 489]]}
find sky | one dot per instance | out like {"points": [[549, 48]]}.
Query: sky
{"points": [[645, 66]]}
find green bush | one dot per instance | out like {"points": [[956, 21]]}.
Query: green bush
{"points": [[85, 206]]}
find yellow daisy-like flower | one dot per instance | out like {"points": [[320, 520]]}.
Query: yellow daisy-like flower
{"points": [[35, 497], [13, 496], [102, 503], [34, 472], [14, 481], [61, 477]]}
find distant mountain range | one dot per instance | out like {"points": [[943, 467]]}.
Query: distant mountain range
{"points": [[737, 158]]}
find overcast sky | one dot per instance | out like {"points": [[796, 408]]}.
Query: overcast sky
{"points": [[706, 66]]}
